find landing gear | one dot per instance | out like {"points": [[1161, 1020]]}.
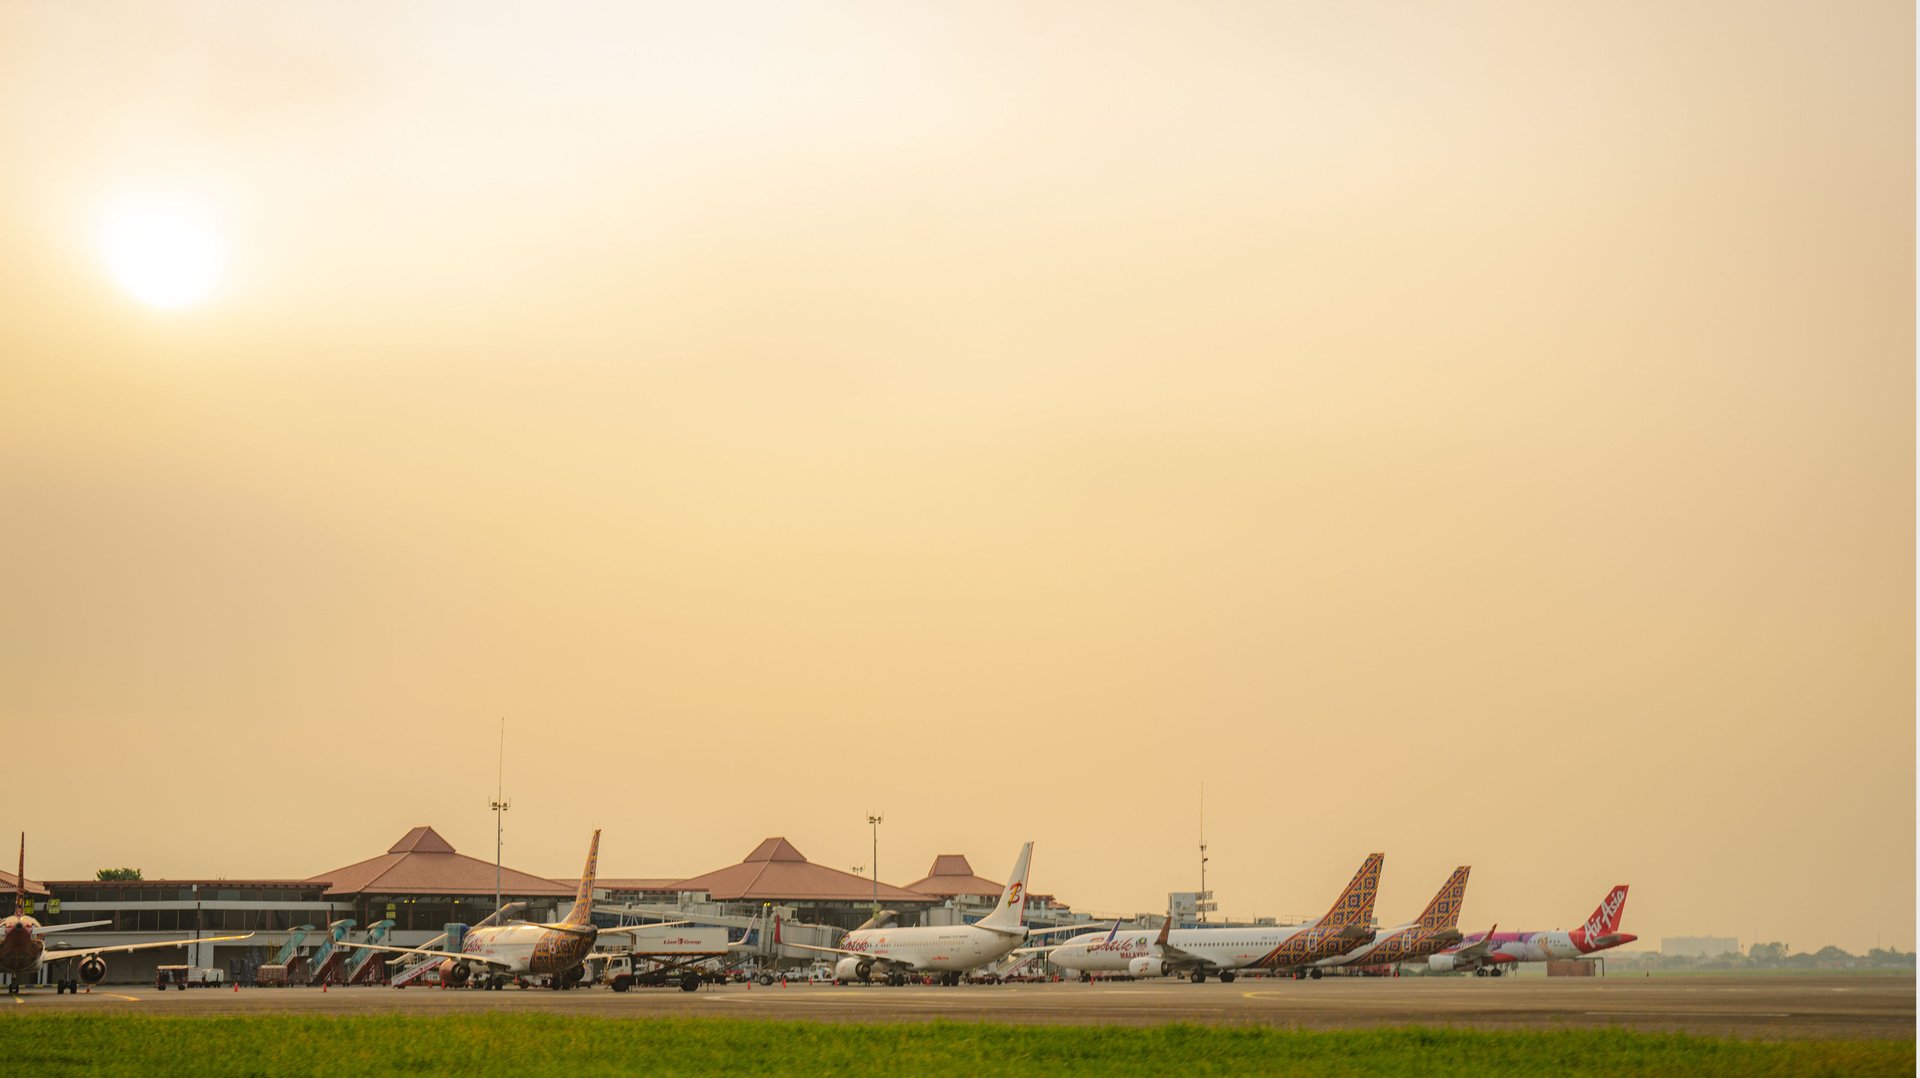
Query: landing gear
{"points": [[1198, 976], [1226, 977], [1315, 974], [1480, 972], [897, 979], [1496, 972]]}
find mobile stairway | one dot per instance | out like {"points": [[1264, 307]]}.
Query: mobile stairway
{"points": [[365, 964]]}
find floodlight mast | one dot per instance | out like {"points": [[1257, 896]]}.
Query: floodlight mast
{"points": [[499, 805], [874, 819]]}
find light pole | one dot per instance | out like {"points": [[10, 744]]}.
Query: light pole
{"points": [[196, 927], [874, 819], [500, 805]]}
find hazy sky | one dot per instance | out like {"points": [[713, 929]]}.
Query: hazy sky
{"points": [[1481, 432]]}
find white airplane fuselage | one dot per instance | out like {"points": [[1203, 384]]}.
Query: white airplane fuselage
{"points": [[516, 950], [944, 948], [1215, 948]]}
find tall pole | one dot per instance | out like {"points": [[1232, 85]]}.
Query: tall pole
{"points": [[874, 819], [500, 806], [1202, 902]]}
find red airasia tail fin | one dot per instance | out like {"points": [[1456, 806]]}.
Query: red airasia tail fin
{"points": [[1606, 919]]}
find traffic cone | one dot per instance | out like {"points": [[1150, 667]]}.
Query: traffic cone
{"points": [[236, 986]]}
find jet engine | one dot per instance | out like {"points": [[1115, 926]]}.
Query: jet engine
{"points": [[1149, 967], [848, 969], [1446, 963], [455, 973], [93, 969]]}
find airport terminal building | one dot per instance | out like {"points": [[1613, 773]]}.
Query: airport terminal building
{"points": [[422, 883]]}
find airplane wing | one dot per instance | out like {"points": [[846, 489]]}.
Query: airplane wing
{"points": [[1173, 953], [1480, 952], [456, 955], [48, 930], [877, 959], [67, 955], [1059, 928]]}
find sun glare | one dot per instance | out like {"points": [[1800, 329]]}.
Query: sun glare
{"points": [[163, 254]]}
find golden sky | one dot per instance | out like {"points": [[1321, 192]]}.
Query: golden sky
{"points": [[1482, 432]]}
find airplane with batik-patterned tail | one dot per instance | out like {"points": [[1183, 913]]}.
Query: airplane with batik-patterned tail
{"points": [[23, 950], [1436, 929], [1200, 952], [1491, 952], [498, 954]]}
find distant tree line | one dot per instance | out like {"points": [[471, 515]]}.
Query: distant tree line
{"points": [[1772, 955], [117, 874]]}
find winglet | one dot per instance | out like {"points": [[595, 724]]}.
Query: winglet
{"points": [[1166, 926], [1115, 931]]}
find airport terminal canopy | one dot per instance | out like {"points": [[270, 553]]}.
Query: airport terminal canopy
{"points": [[951, 876], [423, 863], [776, 872]]}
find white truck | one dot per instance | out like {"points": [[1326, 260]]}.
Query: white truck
{"points": [[681, 954]]}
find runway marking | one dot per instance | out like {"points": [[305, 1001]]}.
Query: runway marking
{"points": [[116, 995], [1694, 1014]]}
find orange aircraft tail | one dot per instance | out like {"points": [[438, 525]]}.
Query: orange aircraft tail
{"points": [[582, 911], [1354, 907], [1444, 910]]}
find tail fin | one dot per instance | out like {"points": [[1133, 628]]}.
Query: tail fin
{"points": [[1011, 913], [1606, 920], [1354, 907], [582, 911], [1444, 910], [20, 881]]}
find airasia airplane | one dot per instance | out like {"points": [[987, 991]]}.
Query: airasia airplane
{"points": [[523, 949], [23, 952], [1489, 953], [949, 950], [1198, 952]]}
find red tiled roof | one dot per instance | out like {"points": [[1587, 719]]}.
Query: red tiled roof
{"points": [[775, 871], [11, 884], [423, 863], [952, 875], [619, 884]]}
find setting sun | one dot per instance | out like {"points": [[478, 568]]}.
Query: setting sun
{"points": [[163, 254]]}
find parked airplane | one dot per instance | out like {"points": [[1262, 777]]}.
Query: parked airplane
{"points": [[1488, 953], [22, 951], [1198, 952], [1436, 929], [949, 950], [521, 948]]}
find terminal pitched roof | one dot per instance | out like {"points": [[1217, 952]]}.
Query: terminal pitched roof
{"points": [[952, 875], [775, 871], [10, 883], [423, 863]]}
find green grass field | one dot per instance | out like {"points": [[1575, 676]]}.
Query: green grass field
{"points": [[531, 1045]]}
